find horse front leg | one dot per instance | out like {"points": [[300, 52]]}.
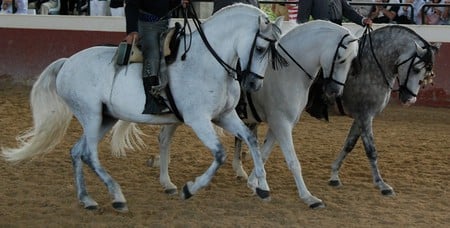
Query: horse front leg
{"points": [[235, 126], [349, 144], [239, 155], [206, 133], [165, 139], [372, 155]]}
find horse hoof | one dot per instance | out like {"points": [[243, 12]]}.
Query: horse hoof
{"points": [[91, 208], [334, 183], [171, 191], [317, 205], [186, 194], [120, 206], [263, 194], [387, 192]]}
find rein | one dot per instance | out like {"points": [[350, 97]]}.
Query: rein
{"points": [[332, 65], [197, 24]]}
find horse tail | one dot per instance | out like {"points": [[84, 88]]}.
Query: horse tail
{"points": [[125, 135], [51, 117]]}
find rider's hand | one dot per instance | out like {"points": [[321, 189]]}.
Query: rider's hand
{"points": [[132, 36], [367, 21]]}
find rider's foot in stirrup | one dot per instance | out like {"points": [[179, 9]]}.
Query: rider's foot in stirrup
{"points": [[155, 105]]}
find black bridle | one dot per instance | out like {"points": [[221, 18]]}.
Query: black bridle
{"points": [[232, 72]]}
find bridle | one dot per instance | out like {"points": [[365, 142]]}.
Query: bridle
{"points": [[426, 58], [330, 77], [232, 72]]}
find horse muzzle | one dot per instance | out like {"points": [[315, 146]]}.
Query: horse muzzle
{"points": [[252, 82], [406, 97], [332, 89]]}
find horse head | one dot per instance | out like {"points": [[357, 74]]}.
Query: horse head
{"points": [[415, 72], [262, 48], [336, 74]]}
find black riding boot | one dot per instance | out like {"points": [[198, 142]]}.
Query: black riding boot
{"points": [[153, 104]]}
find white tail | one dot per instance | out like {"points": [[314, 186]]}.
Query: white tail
{"points": [[125, 135], [51, 117]]}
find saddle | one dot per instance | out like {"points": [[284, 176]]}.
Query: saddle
{"points": [[131, 53]]}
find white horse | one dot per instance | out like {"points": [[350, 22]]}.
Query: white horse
{"points": [[308, 48], [98, 93]]}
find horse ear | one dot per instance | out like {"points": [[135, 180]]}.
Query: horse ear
{"points": [[279, 21], [419, 50]]}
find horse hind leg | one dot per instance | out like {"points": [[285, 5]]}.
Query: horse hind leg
{"points": [[349, 144], [165, 139], [86, 151]]}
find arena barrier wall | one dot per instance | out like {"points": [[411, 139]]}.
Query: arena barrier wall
{"points": [[31, 42]]}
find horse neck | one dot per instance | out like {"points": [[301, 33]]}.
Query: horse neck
{"points": [[315, 42], [225, 39]]}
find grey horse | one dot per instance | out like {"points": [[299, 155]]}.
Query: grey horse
{"points": [[387, 54]]}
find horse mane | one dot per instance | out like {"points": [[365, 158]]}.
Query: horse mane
{"points": [[243, 8], [428, 58]]}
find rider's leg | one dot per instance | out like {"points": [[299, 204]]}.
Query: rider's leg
{"points": [[149, 39]]}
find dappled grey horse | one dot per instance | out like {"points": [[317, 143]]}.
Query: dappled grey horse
{"points": [[388, 55]]}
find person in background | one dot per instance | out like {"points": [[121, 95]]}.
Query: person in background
{"points": [[219, 4], [145, 22], [7, 7], [67, 7], [317, 9], [364, 10], [280, 10], [117, 8], [384, 13], [404, 13], [333, 10], [435, 15], [46, 6], [14, 7]]}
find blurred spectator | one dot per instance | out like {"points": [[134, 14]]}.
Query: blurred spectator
{"points": [[317, 9], [219, 4], [67, 7], [364, 10], [434, 15], [21, 7], [404, 13], [117, 7], [14, 7], [46, 6], [384, 13], [280, 9], [7, 7], [36, 5]]}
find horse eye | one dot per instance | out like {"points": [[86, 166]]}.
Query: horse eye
{"points": [[260, 49]]}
